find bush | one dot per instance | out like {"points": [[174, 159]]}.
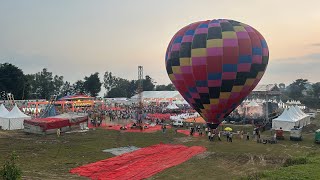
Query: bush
{"points": [[295, 161], [10, 170]]}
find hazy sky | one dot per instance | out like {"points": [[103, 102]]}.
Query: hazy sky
{"points": [[75, 38]]}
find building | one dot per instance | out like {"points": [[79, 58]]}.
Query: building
{"points": [[265, 91]]}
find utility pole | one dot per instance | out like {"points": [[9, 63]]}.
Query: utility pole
{"points": [[140, 98]]}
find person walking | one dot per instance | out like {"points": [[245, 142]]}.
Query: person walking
{"points": [[209, 136], [230, 137], [219, 136]]}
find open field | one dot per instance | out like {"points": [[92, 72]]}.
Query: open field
{"points": [[50, 157]]}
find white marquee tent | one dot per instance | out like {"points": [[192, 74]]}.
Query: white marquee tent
{"points": [[13, 120], [172, 106], [289, 118], [3, 110], [253, 104]]}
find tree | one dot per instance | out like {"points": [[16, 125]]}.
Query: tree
{"points": [[45, 84], [78, 87], [168, 87], [30, 87], [316, 90], [296, 88], [66, 89], [124, 88], [57, 84], [148, 84], [282, 86], [92, 84], [109, 81], [12, 80], [118, 87], [116, 92]]}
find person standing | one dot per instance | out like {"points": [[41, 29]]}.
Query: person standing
{"points": [[230, 137], [228, 134], [241, 135], [212, 136], [219, 136], [209, 136]]}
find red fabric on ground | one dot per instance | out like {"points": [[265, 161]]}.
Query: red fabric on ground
{"points": [[187, 132], [139, 164], [49, 123], [148, 130], [159, 116]]}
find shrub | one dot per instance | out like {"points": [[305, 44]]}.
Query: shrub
{"points": [[295, 161], [10, 170]]}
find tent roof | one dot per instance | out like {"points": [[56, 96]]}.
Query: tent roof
{"points": [[16, 113], [3, 110], [76, 96], [172, 106], [253, 104], [294, 113], [285, 116], [159, 95], [299, 111]]}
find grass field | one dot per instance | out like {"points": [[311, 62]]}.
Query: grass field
{"points": [[50, 157]]}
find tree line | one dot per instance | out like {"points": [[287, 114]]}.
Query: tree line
{"points": [[304, 91], [43, 84]]}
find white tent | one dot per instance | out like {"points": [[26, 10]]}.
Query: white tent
{"points": [[172, 106], [178, 102], [253, 104], [306, 117], [3, 110], [300, 118], [13, 120], [285, 121]]}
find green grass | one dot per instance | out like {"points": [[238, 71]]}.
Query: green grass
{"points": [[50, 157]]}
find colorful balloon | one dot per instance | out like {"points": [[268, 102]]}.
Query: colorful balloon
{"points": [[215, 65]]}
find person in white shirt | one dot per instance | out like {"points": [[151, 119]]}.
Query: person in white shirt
{"points": [[209, 135]]}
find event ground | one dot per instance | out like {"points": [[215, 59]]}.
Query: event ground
{"points": [[49, 157]]}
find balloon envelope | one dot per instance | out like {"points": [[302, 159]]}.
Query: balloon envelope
{"points": [[215, 64]]}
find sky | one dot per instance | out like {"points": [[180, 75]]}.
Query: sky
{"points": [[76, 38]]}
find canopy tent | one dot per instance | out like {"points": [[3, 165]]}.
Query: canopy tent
{"points": [[172, 106], [159, 96], [49, 125], [253, 104], [306, 116], [180, 102], [75, 97], [289, 118], [13, 120], [3, 111], [285, 121]]}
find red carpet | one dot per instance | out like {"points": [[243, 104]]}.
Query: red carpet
{"points": [[187, 132], [139, 164], [147, 130], [117, 127]]}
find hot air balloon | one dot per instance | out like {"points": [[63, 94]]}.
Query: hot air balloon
{"points": [[215, 64]]}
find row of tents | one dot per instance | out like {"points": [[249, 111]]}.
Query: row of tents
{"points": [[290, 118], [11, 120]]}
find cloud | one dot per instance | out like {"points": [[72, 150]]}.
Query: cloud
{"points": [[315, 44], [289, 69], [308, 58]]}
